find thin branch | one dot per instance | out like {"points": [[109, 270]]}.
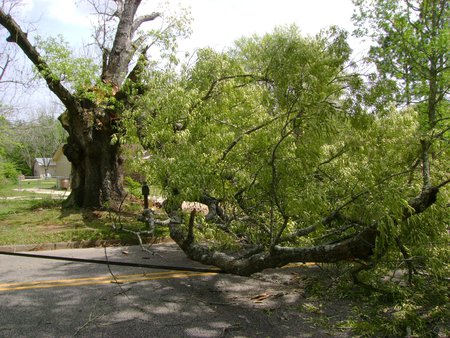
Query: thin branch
{"points": [[4, 67], [246, 133], [334, 156], [225, 78], [274, 183], [442, 184], [407, 258], [123, 292]]}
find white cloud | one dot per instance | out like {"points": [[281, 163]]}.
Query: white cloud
{"points": [[62, 11]]}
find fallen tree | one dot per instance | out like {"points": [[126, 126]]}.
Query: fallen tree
{"points": [[292, 168], [359, 246]]}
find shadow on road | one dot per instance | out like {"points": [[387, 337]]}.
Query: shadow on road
{"points": [[265, 305]]}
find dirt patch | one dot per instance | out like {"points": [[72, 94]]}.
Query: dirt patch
{"points": [[45, 191]]}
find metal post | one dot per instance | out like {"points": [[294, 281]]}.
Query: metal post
{"points": [[145, 193]]}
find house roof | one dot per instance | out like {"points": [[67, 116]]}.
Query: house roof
{"points": [[44, 161]]}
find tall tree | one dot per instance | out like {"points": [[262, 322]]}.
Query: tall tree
{"points": [[93, 111], [8, 169], [411, 40]]}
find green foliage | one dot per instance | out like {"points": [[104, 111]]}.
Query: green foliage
{"points": [[382, 305], [418, 311], [27, 140], [274, 129], [176, 26], [8, 169], [268, 128], [410, 50], [78, 72], [133, 187]]}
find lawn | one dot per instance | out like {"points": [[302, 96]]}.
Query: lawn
{"points": [[47, 183], [28, 217]]}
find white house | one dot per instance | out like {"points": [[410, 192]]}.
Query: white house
{"points": [[44, 166], [62, 164], [63, 169]]}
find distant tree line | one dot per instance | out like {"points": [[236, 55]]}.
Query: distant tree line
{"points": [[22, 141]]}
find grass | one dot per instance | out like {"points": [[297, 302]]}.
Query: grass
{"points": [[38, 218], [48, 183]]}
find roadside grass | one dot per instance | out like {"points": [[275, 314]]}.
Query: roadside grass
{"points": [[48, 183], [39, 218]]}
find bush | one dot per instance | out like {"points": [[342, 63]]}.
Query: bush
{"points": [[133, 187], [8, 172]]}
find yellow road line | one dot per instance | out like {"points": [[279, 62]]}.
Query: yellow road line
{"points": [[107, 277], [44, 284]]}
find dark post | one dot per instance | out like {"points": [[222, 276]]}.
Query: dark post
{"points": [[145, 193]]}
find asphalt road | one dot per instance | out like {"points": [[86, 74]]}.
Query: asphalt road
{"points": [[50, 298]]}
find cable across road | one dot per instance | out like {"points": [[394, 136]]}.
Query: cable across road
{"points": [[108, 262]]}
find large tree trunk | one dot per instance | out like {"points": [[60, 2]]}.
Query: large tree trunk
{"points": [[97, 175], [361, 246]]}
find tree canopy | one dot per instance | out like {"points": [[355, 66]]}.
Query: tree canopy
{"points": [[298, 157]]}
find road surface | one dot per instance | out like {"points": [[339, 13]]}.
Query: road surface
{"points": [[49, 298]]}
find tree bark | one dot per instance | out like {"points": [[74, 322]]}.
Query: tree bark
{"points": [[358, 247], [97, 170]]}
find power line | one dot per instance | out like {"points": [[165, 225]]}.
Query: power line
{"points": [[104, 262]]}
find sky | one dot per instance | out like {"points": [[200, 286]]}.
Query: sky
{"points": [[216, 23]]}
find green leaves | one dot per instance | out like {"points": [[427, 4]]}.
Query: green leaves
{"points": [[274, 131], [411, 52], [248, 127], [78, 72], [411, 40]]}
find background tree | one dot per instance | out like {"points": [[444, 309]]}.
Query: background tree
{"points": [[94, 105], [411, 49], [8, 169], [39, 137]]}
